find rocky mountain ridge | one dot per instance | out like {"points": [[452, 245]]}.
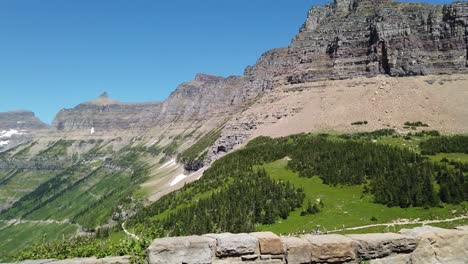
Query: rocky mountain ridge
{"points": [[343, 39]]}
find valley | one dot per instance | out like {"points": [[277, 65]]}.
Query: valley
{"points": [[359, 125]]}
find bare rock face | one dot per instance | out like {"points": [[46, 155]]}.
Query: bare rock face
{"points": [[205, 97], [270, 244], [228, 244], [437, 245], [297, 250], [379, 245], [190, 250], [332, 248]]}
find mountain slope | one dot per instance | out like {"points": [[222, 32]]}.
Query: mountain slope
{"points": [[104, 159]]}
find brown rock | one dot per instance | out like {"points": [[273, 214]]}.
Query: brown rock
{"points": [[332, 248], [270, 243]]}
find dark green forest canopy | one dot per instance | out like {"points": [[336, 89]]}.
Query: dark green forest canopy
{"points": [[447, 144]]}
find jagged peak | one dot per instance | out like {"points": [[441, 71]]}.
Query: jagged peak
{"points": [[104, 95], [103, 99]]}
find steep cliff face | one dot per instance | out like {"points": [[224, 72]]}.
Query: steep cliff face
{"points": [[104, 114], [205, 97], [368, 37]]}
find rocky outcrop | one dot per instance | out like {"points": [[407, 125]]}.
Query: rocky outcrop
{"points": [[416, 246]]}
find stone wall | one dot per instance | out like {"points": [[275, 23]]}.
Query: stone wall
{"points": [[419, 245]]}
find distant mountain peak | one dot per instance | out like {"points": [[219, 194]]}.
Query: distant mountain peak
{"points": [[104, 95], [103, 99]]}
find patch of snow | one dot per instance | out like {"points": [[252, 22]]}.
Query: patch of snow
{"points": [[169, 163], [92, 130], [5, 142], [178, 179], [10, 133], [20, 122]]}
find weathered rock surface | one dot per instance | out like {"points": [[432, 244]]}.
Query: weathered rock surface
{"points": [[190, 250], [297, 250], [270, 243], [332, 248], [228, 244], [380, 245], [437, 245]]}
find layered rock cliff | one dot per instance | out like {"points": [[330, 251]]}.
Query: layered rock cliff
{"points": [[104, 114], [350, 38]]}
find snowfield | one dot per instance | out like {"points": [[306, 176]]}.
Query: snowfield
{"points": [[178, 179], [5, 142], [10, 133]]}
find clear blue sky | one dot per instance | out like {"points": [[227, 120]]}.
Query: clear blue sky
{"points": [[57, 53]]}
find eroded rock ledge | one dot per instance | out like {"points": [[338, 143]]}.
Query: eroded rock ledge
{"points": [[423, 245]]}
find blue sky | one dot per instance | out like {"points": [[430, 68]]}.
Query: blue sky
{"points": [[57, 53]]}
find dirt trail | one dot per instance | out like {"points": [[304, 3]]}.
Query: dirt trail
{"points": [[402, 222], [128, 232]]}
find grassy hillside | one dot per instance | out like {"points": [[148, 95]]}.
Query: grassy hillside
{"points": [[18, 236], [287, 185], [346, 206]]}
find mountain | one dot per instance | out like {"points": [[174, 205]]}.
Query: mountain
{"points": [[354, 67], [17, 127]]}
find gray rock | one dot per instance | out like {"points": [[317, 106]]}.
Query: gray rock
{"points": [[297, 250], [380, 245], [437, 245], [230, 245], [190, 250]]}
